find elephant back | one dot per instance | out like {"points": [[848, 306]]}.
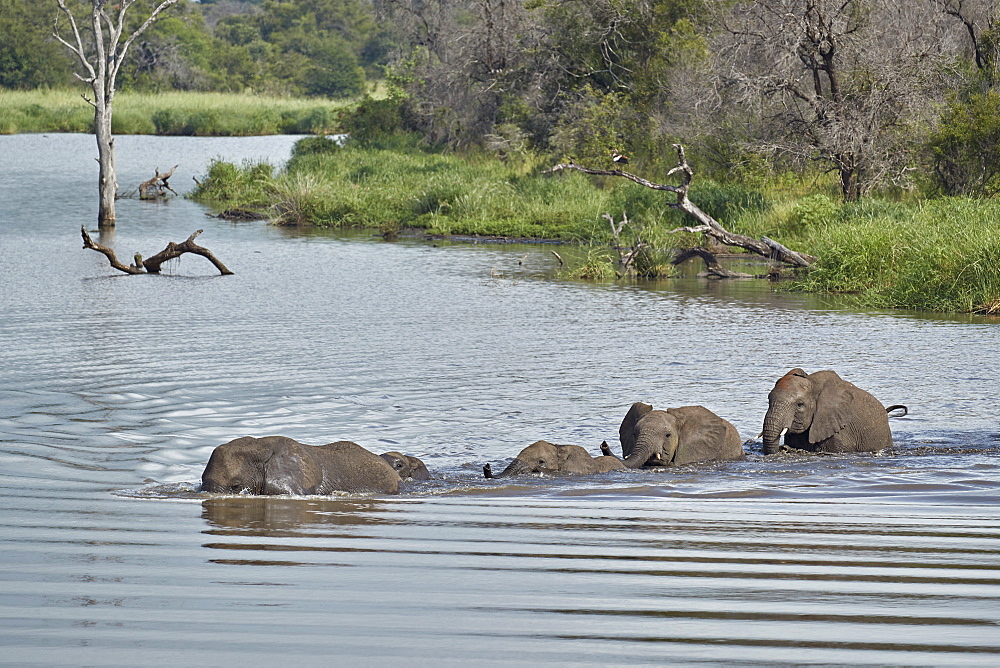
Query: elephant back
{"points": [[349, 467], [704, 436]]}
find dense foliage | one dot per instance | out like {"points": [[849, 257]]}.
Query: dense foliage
{"points": [[297, 47], [883, 94]]}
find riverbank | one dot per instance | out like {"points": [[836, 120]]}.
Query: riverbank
{"points": [[171, 113], [939, 255]]}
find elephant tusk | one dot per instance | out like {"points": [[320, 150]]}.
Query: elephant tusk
{"points": [[783, 432], [754, 439]]}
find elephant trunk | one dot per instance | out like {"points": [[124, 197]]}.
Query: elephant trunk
{"points": [[516, 467], [776, 423], [640, 453]]}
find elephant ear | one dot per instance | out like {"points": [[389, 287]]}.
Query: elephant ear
{"points": [[626, 432], [833, 406], [701, 434]]}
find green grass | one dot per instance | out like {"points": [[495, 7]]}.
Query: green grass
{"points": [[172, 113], [940, 255]]}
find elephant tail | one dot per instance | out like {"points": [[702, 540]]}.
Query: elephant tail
{"points": [[488, 471], [906, 411]]}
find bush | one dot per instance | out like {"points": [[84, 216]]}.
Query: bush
{"points": [[965, 150]]}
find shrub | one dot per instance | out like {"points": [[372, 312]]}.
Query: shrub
{"points": [[965, 149]]}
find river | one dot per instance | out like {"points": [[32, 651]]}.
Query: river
{"points": [[114, 390]]}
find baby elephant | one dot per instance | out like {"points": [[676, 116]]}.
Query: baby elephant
{"points": [[545, 457], [406, 466], [280, 465], [676, 436]]}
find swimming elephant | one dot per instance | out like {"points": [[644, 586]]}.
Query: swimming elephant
{"points": [[280, 465], [545, 457], [676, 436], [822, 412], [406, 466]]}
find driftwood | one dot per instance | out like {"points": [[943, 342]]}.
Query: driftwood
{"points": [[157, 187], [708, 225], [712, 266], [152, 265]]}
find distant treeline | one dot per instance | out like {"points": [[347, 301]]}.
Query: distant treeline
{"points": [[888, 96]]}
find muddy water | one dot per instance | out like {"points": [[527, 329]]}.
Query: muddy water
{"points": [[114, 390]]}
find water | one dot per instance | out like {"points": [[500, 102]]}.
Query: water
{"points": [[115, 389]]}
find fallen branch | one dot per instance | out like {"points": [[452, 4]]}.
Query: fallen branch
{"points": [[152, 265], [708, 225], [157, 187]]}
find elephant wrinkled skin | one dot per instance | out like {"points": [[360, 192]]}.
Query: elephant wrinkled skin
{"points": [[676, 436], [281, 465], [545, 457], [822, 412]]}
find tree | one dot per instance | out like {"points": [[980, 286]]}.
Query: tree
{"points": [[29, 58], [829, 82], [101, 58]]}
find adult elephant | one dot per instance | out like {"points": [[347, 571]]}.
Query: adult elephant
{"points": [[406, 466], [822, 412], [676, 436], [545, 457], [280, 465]]}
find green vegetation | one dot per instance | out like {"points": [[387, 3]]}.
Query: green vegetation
{"points": [[332, 186], [864, 156], [175, 113], [937, 254], [323, 48]]}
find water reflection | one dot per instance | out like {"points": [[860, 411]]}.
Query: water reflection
{"points": [[267, 516]]}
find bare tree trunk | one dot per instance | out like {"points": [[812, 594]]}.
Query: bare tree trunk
{"points": [[107, 181], [101, 58]]}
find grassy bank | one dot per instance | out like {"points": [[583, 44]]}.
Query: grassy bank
{"points": [[172, 113], [941, 255]]}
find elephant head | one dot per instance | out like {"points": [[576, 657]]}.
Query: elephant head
{"points": [[545, 457], [281, 465], [269, 465], [676, 436], [406, 466], [823, 412]]}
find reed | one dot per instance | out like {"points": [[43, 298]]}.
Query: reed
{"points": [[938, 255], [171, 113]]}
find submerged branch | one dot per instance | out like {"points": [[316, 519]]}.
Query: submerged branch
{"points": [[152, 265]]}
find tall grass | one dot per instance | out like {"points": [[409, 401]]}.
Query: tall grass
{"points": [[938, 255], [171, 113], [443, 194], [941, 255]]}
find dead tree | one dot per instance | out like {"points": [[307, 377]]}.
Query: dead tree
{"points": [[152, 265], [708, 225], [157, 187], [101, 56]]}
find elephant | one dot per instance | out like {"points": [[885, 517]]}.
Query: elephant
{"points": [[406, 466], [545, 457], [676, 436], [281, 465], [822, 412]]}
